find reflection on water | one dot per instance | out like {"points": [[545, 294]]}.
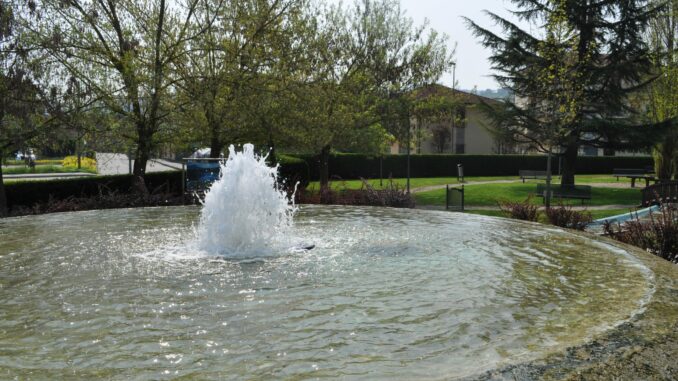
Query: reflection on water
{"points": [[385, 294]]}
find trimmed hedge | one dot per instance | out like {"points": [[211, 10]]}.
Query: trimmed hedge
{"points": [[29, 193], [354, 166], [293, 169]]}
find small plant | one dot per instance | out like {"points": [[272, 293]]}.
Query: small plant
{"points": [[85, 162], [657, 235], [566, 217], [521, 210], [391, 195]]}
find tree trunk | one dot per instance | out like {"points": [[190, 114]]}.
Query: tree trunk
{"points": [[140, 160], [665, 157], [324, 171], [3, 195], [569, 164], [216, 146]]}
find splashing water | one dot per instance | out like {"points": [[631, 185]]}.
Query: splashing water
{"points": [[244, 213]]}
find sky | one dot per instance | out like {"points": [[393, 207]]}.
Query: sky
{"points": [[445, 16]]}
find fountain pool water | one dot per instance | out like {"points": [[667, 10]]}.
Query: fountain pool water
{"points": [[386, 294]]}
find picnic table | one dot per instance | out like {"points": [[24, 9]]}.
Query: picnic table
{"points": [[646, 174]]}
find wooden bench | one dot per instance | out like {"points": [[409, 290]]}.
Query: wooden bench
{"points": [[646, 174], [578, 192], [532, 174]]}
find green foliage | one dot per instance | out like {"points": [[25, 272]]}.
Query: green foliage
{"points": [[293, 170], [44, 169], [573, 79], [29, 193], [86, 163], [661, 97], [355, 166]]}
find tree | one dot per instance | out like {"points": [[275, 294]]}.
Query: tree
{"points": [[123, 52], [573, 81], [244, 50], [365, 55], [20, 99], [662, 94]]}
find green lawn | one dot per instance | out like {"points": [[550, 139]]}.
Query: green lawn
{"points": [[414, 182], [424, 182], [15, 170], [491, 194]]}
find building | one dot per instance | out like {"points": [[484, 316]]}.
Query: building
{"points": [[468, 133]]}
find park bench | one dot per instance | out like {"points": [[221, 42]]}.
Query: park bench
{"points": [[578, 192], [646, 174], [532, 174]]}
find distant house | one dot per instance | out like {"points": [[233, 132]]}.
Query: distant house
{"points": [[468, 133]]}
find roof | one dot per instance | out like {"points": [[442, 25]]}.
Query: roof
{"points": [[465, 97]]}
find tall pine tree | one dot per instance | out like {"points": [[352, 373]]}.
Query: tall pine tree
{"points": [[572, 78]]}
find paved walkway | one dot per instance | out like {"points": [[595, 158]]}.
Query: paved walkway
{"points": [[119, 164], [442, 186], [46, 176]]}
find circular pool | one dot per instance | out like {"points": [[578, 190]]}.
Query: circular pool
{"points": [[385, 294]]}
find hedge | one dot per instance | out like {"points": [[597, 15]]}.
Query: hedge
{"points": [[29, 193], [354, 166], [304, 168], [294, 169]]}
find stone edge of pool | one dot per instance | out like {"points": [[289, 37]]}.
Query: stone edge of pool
{"points": [[646, 347]]}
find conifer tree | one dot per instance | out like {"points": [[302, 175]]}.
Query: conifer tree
{"points": [[572, 78]]}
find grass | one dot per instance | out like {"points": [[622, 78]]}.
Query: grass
{"points": [[491, 194], [414, 182], [433, 181], [17, 170], [38, 162]]}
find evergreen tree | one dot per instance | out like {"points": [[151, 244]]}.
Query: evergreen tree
{"points": [[572, 80], [662, 96]]}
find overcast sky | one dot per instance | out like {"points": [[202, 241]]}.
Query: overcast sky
{"points": [[445, 16]]}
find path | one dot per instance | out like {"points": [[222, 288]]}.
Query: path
{"points": [[46, 176], [442, 186], [119, 164]]}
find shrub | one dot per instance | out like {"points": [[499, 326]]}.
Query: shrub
{"points": [[29, 193], [392, 196], [657, 235], [521, 210], [85, 162], [566, 217], [293, 170]]}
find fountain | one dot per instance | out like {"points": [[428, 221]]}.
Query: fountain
{"points": [[386, 294], [244, 212]]}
